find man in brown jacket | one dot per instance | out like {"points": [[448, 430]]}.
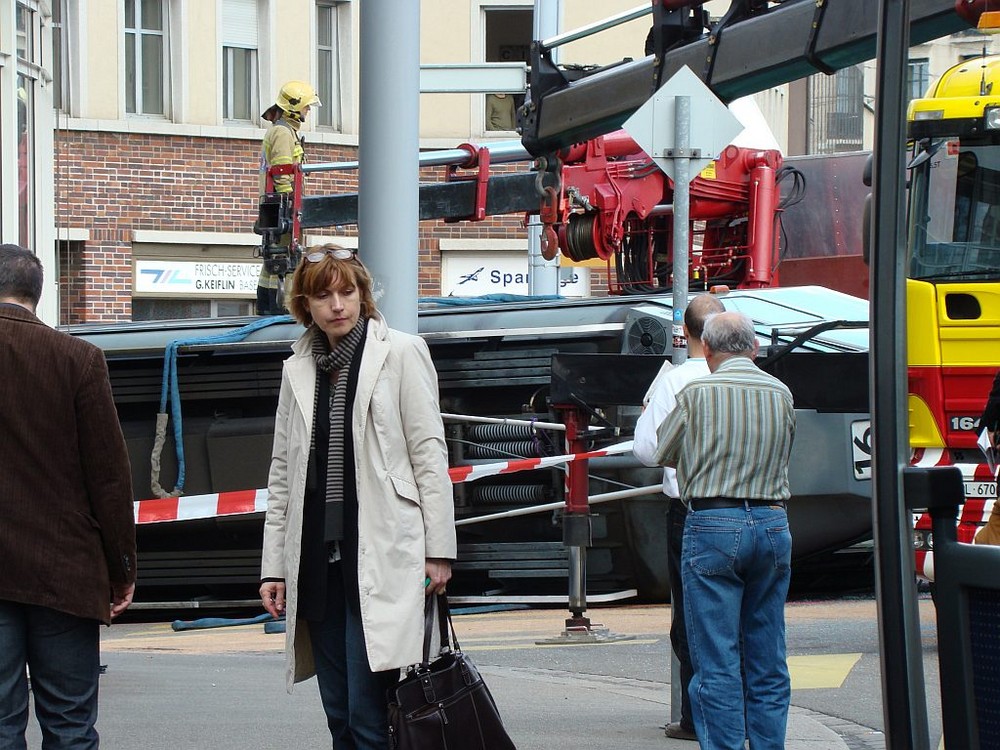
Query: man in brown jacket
{"points": [[67, 531]]}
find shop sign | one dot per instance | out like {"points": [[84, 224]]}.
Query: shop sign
{"points": [[474, 274], [184, 278]]}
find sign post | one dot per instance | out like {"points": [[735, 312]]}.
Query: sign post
{"points": [[662, 127], [682, 224]]}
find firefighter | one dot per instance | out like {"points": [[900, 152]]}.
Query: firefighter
{"points": [[282, 145]]}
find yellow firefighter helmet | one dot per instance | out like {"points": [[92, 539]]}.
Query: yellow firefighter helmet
{"points": [[292, 99], [296, 95]]}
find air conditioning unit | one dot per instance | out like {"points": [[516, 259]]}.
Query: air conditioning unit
{"points": [[648, 330]]}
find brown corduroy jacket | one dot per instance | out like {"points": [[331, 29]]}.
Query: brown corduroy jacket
{"points": [[67, 529]]}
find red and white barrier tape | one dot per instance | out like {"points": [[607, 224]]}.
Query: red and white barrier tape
{"points": [[974, 513], [976, 510], [195, 507], [461, 474]]}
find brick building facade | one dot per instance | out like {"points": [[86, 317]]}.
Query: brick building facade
{"points": [[114, 188]]}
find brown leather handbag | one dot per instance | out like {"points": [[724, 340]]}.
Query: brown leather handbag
{"points": [[444, 704]]}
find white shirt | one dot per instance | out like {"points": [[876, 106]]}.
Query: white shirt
{"points": [[661, 399]]}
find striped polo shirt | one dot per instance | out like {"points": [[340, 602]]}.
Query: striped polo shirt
{"points": [[730, 434]]}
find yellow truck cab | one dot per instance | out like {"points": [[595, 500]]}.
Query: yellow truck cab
{"points": [[953, 274]]}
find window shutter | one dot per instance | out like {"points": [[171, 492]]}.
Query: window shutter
{"points": [[239, 23]]}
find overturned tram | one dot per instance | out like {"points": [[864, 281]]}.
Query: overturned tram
{"points": [[510, 374]]}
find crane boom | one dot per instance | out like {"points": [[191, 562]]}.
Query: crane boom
{"points": [[792, 40], [788, 42], [503, 194]]}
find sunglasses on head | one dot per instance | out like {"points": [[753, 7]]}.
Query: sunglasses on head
{"points": [[337, 253]]}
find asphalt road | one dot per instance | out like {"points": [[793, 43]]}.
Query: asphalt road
{"points": [[223, 689]]}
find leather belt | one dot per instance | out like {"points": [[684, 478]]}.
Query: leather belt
{"points": [[719, 503]]}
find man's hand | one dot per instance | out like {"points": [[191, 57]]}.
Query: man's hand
{"points": [[439, 571], [121, 597], [272, 596]]}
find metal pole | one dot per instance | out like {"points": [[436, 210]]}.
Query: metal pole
{"points": [[682, 212], [606, 497], [501, 152], [388, 179], [676, 688], [577, 532], [598, 26], [449, 417], [903, 699], [543, 275]]}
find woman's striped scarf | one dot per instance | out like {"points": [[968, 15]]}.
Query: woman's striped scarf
{"points": [[336, 362]]}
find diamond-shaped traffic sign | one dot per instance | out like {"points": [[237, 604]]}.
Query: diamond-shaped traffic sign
{"points": [[712, 126]]}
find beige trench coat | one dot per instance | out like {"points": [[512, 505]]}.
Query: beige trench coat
{"points": [[405, 505]]}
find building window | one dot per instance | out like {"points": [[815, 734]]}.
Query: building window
{"points": [[836, 106], [25, 161], [239, 60], [328, 63], [145, 57], [60, 57], [918, 75], [27, 29], [508, 39], [240, 83]]}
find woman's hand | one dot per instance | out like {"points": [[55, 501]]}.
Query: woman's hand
{"points": [[439, 571], [272, 596]]}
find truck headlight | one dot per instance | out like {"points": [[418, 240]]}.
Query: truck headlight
{"points": [[992, 118]]}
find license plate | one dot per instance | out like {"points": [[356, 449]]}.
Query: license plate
{"points": [[981, 489]]}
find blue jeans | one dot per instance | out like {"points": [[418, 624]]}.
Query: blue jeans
{"points": [[63, 653], [736, 565], [353, 696]]}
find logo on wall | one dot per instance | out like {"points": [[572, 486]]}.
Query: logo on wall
{"points": [[160, 277]]}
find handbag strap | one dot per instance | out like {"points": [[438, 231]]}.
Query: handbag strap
{"points": [[443, 618], [444, 624]]}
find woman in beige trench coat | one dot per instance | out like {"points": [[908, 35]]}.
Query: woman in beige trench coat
{"points": [[360, 517]]}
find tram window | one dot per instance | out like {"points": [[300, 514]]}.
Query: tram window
{"points": [[179, 309]]}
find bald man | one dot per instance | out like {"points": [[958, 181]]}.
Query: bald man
{"points": [[730, 438], [661, 398]]}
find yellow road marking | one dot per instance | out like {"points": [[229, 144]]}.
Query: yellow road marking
{"points": [[512, 646], [166, 629], [154, 629], [821, 670]]}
